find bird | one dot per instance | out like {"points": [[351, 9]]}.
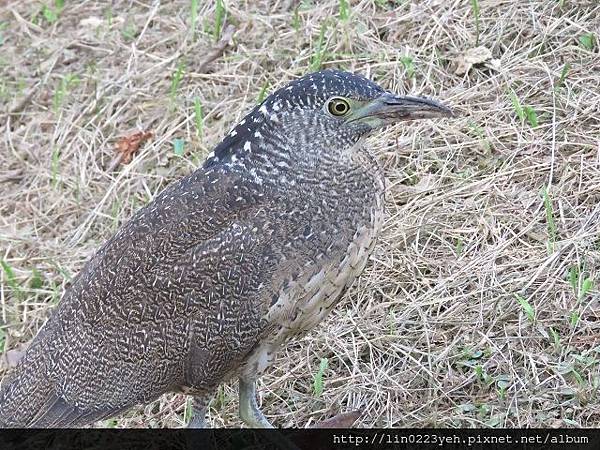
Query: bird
{"points": [[223, 267]]}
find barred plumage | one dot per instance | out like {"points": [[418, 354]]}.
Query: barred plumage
{"points": [[223, 267]]}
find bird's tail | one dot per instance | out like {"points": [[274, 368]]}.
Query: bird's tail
{"points": [[25, 391], [29, 398]]}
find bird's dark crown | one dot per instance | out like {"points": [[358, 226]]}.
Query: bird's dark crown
{"points": [[315, 88]]}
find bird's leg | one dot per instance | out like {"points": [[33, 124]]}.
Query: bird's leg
{"points": [[249, 412], [199, 407]]}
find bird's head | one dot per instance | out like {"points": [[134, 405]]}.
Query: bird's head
{"points": [[324, 110]]}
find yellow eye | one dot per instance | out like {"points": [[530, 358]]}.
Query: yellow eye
{"points": [[338, 106]]}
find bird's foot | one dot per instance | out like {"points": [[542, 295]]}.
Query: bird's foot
{"points": [[199, 407], [250, 414], [197, 421]]}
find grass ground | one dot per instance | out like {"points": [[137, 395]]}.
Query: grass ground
{"points": [[481, 304]]}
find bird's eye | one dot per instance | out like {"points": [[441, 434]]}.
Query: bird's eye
{"points": [[338, 106]]}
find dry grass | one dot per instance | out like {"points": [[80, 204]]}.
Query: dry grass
{"points": [[433, 334]]}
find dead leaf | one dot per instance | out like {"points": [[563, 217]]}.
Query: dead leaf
{"points": [[345, 420], [426, 183], [11, 175], [469, 58], [91, 22], [128, 146], [12, 357]]}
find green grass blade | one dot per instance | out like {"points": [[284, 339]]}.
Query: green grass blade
{"points": [[49, 14], [409, 65], [527, 308], [516, 105], [317, 57], [36, 281], [318, 383], [574, 318], [198, 117], [344, 10], [176, 79], [219, 19], [11, 279], [475, 10], [563, 76], [187, 412], [574, 278], [586, 287], [587, 41], [531, 116], [296, 20], [550, 223], [555, 338], [263, 93]]}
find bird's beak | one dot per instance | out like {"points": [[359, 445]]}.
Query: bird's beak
{"points": [[389, 108]]}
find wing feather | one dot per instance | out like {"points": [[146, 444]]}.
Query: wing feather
{"points": [[118, 336]]}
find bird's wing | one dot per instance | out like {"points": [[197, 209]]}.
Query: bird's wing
{"points": [[118, 334], [176, 299]]}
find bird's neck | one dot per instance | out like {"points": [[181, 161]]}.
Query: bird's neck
{"points": [[292, 153]]}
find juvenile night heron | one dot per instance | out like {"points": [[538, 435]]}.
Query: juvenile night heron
{"points": [[224, 266]]}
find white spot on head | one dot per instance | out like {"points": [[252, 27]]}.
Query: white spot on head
{"points": [[263, 109], [276, 106], [274, 118], [257, 134], [247, 146], [234, 158]]}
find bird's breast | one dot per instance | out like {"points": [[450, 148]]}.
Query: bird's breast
{"points": [[300, 304]]}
